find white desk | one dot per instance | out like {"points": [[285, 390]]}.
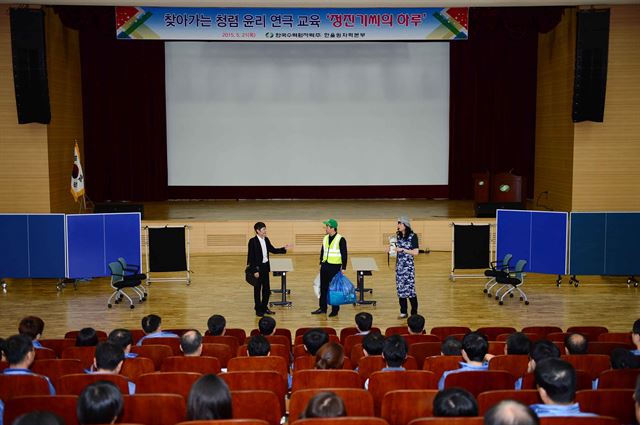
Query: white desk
{"points": [[280, 267]]}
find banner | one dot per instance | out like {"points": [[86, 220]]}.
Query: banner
{"points": [[77, 176], [292, 24]]}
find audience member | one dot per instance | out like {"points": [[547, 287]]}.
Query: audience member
{"points": [[267, 326], [576, 343], [635, 337], [87, 337], [20, 355], [3, 350], [191, 343], [415, 324], [313, 339], [99, 403], [556, 381], [33, 327], [123, 339], [209, 399], [151, 325], [258, 346], [474, 350], [394, 352], [217, 325], [540, 350], [108, 360], [330, 356], [324, 405], [39, 417], [517, 344], [364, 321], [511, 412], [455, 402], [451, 346], [621, 358], [372, 344]]}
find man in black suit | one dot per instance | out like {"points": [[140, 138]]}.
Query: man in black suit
{"points": [[258, 260]]}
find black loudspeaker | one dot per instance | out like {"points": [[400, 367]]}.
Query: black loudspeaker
{"points": [[30, 66], [118, 207], [592, 54]]}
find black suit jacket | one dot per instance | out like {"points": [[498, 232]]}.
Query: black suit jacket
{"points": [[254, 254]]}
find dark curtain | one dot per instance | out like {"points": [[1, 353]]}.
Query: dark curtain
{"points": [[123, 96], [493, 95]]}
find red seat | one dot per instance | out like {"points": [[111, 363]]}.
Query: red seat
{"points": [[488, 399], [618, 378], [350, 341], [402, 406], [84, 354], [45, 354], [352, 330], [279, 332], [583, 381], [306, 379], [258, 380], [541, 330], [557, 337], [137, 335], [57, 345], [580, 420], [238, 333], [3, 365], [531, 335], [167, 382], [102, 335], [332, 338], [618, 403], [328, 330], [396, 330], [600, 347], [256, 404], [477, 382], [220, 351], [75, 383], [309, 362], [277, 350], [173, 343], [274, 339], [623, 337], [55, 368], [444, 331], [230, 341], [591, 332], [134, 367], [22, 385], [62, 405], [203, 365], [439, 364], [348, 420], [492, 332], [497, 347], [370, 364], [414, 339], [380, 383], [357, 402], [157, 353], [153, 409], [513, 363], [226, 422], [300, 351], [276, 364], [448, 421], [593, 364], [356, 354]]}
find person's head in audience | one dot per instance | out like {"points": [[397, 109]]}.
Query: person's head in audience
{"points": [[576, 343], [394, 351], [541, 350], [636, 398], [217, 325], [330, 356], [621, 358], [474, 347], [3, 350], [313, 339], [191, 343], [556, 381], [364, 321], [87, 337], [31, 326], [20, 352], [372, 344], [267, 326], [325, 404], [451, 346], [454, 402], [99, 403], [511, 412], [635, 334], [258, 346], [209, 399], [151, 324], [108, 358], [122, 338], [38, 417], [415, 324], [517, 343]]}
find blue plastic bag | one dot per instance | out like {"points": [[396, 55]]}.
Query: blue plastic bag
{"points": [[341, 291]]}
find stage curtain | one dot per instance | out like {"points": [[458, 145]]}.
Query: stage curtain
{"points": [[493, 95], [123, 91]]}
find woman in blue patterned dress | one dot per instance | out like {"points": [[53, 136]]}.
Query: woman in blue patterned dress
{"points": [[406, 249]]}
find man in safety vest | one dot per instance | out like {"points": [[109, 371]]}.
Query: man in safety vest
{"points": [[333, 259]]}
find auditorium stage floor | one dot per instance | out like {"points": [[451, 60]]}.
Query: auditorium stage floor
{"points": [[306, 209], [218, 287]]}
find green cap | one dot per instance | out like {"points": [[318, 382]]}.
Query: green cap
{"points": [[331, 223]]}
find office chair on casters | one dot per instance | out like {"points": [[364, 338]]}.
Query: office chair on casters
{"points": [[119, 282], [132, 271], [497, 269], [513, 281]]}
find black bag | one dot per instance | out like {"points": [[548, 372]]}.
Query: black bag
{"points": [[249, 277]]}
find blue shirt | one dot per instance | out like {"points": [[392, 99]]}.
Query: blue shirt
{"points": [[464, 367], [547, 410], [160, 334], [518, 385], [132, 386], [131, 355], [36, 344], [636, 352], [11, 371]]}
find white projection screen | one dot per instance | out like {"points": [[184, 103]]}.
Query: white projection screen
{"points": [[307, 114]]}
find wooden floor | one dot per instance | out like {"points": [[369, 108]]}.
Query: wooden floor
{"points": [[218, 287]]}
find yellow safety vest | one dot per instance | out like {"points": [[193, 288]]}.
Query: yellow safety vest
{"points": [[331, 253]]}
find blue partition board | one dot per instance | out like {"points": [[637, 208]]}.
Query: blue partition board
{"points": [[549, 242], [587, 246], [122, 238], [47, 246], [622, 256], [14, 245], [514, 235]]}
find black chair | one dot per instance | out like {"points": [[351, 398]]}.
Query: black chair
{"points": [[497, 269], [512, 282], [132, 271], [119, 282]]}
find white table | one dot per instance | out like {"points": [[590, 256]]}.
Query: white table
{"points": [[280, 267]]}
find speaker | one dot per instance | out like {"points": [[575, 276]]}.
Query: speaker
{"points": [[118, 207], [592, 54], [30, 66]]}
